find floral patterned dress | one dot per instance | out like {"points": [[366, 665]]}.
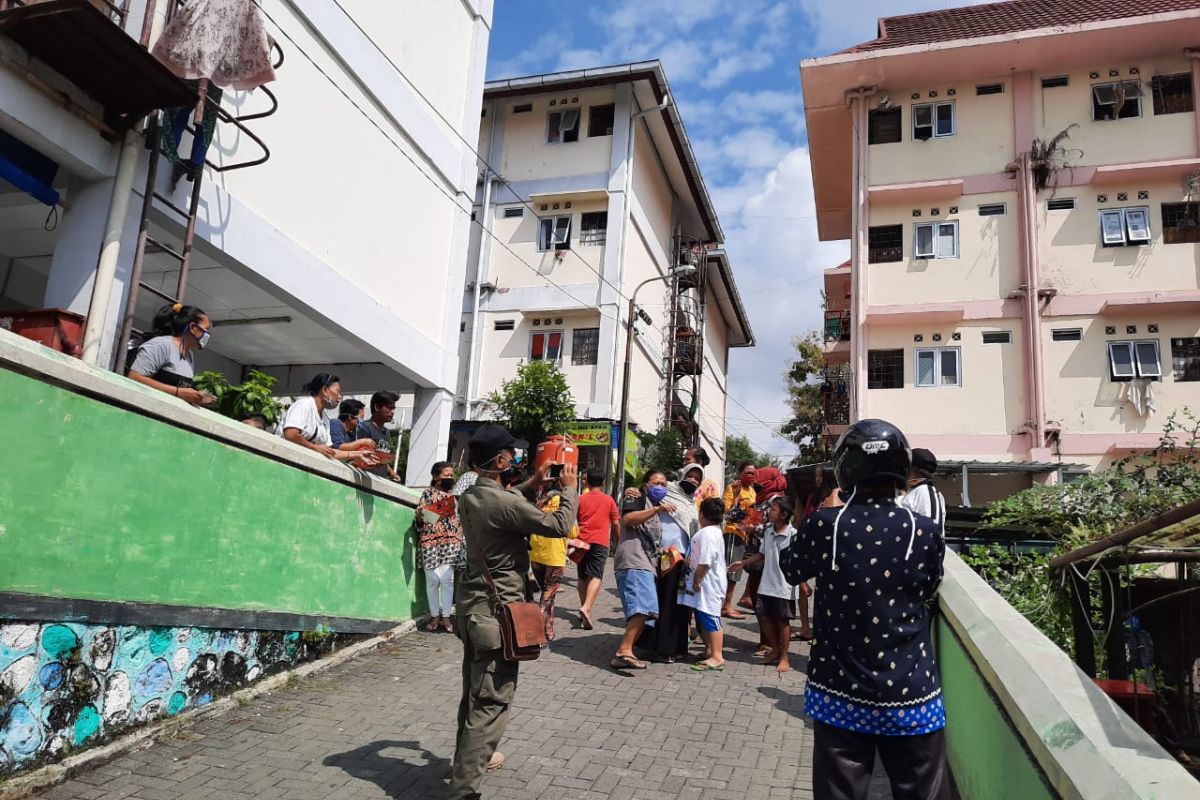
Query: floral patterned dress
{"points": [[439, 533]]}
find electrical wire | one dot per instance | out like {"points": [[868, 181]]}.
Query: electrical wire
{"points": [[436, 183]]}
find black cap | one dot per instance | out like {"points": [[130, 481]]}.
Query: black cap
{"points": [[489, 440], [924, 461]]}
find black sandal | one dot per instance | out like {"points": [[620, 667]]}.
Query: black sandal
{"points": [[626, 662]]}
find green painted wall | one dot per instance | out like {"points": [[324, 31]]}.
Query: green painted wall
{"points": [[100, 503], [986, 755]]}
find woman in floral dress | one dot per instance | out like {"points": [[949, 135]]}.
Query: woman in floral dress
{"points": [[440, 549]]}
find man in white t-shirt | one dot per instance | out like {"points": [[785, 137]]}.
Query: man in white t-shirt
{"points": [[923, 497], [704, 584]]}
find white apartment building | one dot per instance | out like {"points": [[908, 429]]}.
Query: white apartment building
{"points": [[593, 190], [333, 220]]}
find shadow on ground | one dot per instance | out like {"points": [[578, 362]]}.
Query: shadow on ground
{"points": [[787, 702], [419, 774]]}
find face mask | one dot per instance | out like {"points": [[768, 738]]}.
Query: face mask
{"points": [[445, 484], [508, 476], [656, 494], [202, 340], [688, 487]]}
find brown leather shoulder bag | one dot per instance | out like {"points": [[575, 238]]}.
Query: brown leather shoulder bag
{"points": [[522, 625]]}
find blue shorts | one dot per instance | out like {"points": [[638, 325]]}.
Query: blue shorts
{"points": [[709, 623], [638, 593]]}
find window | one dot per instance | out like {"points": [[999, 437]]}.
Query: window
{"points": [[1181, 223], [1060, 204], [600, 120], [990, 88], [933, 120], [593, 227], [884, 126], [1121, 227], [885, 369], [504, 325], [885, 243], [523, 108], [509, 213], [545, 346], [562, 126], [1120, 100], [1055, 81], [1128, 360], [1185, 358], [1066, 334], [993, 210], [938, 366], [554, 233], [585, 346], [997, 337], [1172, 94], [935, 240]]}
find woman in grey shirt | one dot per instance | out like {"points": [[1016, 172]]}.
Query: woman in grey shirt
{"points": [[167, 362], [638, 550]]}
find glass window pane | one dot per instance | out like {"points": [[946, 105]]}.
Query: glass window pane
{"points": [[545, 232], [925, 368], [945, 119], [946, 245], [552, 130], [562, 230], [554, 346], [924, 245], [1137, 222], [949, 372], [923, 115], [1113, 225], [1147, 360], [1120, 359], [537, 346], [1105, 94]]}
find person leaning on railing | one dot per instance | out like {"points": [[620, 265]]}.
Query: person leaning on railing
{"points": [[305, 423], [167, 360]]}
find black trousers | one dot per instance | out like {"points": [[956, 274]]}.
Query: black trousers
{"points": [[843, 761]]}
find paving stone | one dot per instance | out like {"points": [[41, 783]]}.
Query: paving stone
{"points": [[383, 725]]}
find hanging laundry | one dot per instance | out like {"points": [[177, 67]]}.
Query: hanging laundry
{"points": [[224, 41], [177, 120], [1139, 393]]}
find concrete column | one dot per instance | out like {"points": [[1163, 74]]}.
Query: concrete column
{"points": [[73, 267], [429, 441], [603, 399], [860, 219]]}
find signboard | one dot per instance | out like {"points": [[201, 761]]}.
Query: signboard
{"points": [[591, 434], [631, 452]]}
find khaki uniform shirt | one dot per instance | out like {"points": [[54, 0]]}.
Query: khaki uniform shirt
{"points": [[496, 524]]}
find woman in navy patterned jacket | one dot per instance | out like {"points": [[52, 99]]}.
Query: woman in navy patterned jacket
{"points": [[873, 681]]}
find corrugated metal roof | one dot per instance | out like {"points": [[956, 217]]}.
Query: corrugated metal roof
{"points": [[1006, 467]]}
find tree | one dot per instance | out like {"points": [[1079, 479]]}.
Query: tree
{"points": [[804, 378], [535, 404], [662, 450], [739, 450]]}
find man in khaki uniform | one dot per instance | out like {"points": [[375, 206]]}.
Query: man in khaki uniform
{"points": [[496, 525]]}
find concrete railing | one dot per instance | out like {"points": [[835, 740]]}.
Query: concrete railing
{"points": [[1024, 722]]}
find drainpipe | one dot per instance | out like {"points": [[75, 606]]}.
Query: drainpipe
{"points": [[628, 194], [1035, 388], [110, 250], [859, 214], [1194, 55], [474, 359]]}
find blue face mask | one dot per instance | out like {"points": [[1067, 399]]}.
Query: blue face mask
{"points": [[656, 494]]}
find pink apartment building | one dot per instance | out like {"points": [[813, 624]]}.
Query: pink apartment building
{"points": [[1020, 316]]}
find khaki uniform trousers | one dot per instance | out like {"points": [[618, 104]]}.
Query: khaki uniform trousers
{"points": [[489, 684]]}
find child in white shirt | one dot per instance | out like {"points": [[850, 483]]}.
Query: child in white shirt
{"points": [[704, 584]]}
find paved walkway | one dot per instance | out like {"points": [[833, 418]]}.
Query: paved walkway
{"points": [[382, 726]]}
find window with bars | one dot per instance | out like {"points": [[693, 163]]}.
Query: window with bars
{"points": [[939, 366], [593, 227], [585, 346], [1181, 223], [884, 126], [885, 369], [1172, 94], [1129, 360], [1185, 358], [600, 120], [545, 346], [554, 233], [562, 126], [885, 243]]}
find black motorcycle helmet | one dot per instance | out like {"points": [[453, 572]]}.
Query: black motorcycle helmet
{"points": [[869, 449]]}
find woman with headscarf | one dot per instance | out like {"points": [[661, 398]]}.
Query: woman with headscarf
{"points": [[666, 638]]}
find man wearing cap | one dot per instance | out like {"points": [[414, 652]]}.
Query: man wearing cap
{"points": [[496, 524], [923, 497]]}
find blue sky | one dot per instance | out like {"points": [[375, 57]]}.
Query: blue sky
{"points": [[733, 66]]}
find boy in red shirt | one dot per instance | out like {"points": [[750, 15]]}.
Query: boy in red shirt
{"points": [[599, 523]]}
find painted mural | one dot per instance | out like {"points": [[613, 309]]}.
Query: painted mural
{"points": [[67, 686]]}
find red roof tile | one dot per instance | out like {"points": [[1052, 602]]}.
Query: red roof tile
{"points": [[1011, 17]]}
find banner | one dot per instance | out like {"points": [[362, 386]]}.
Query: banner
{"points": [[591, 434], [632, 447]]}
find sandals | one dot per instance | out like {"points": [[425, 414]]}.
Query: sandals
{"points": [[733, 614], [585, 620], [626, 662], [433, 626], [704, 666]]}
